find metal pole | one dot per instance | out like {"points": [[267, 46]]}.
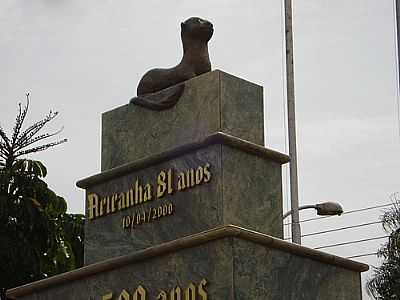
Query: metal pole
{"points": [[397, 8], [296, 233], [287, 214]]}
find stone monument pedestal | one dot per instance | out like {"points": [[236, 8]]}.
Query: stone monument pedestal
{"points": [[188, 206], [217, 181], [215, 101], [223, 263]]}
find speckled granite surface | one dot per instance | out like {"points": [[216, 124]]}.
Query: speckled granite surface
{"points": [[244, 190], [237, 265], [215, 101]]}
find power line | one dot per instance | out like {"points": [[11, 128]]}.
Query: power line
{"points": [[362, 255], [341, 228], [352, 242], [345, 213], [367, 208], [338, 229]]}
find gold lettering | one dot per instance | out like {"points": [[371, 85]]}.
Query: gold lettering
{"points": [[170, 181], [140, 293], [190, 178], [114, 198], [103, 206], [108, 205], [162, 296], [137, 218], [129, 198], [199, 175], [147, 192], [207, 173], [202, 292], [126, 222], [181, 182], [138, 193], [143, 217], [107, 296], [162, 186], [176, 293], [121, 201], [93, 202], [124, 295], [190, 292]]}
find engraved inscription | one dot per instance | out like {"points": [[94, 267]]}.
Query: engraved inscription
{"points": [[191, 292], [167, 182]]}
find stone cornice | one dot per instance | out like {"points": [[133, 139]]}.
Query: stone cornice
{"points": [[216, 138]]}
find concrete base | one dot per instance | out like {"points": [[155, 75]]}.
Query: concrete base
{"points": [[220, 264]]}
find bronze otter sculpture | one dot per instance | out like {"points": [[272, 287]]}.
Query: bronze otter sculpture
{"points": [[161, 88]]}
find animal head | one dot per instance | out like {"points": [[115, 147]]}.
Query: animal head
{"points": [[197, 29]]}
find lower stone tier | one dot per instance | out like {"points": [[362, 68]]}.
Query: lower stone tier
{"points": [[224, 263]]}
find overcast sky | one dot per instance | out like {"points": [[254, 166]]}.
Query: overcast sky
{"points": [[83, 58]]}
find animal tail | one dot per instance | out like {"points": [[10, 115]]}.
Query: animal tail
{"points": [[160, 100]]}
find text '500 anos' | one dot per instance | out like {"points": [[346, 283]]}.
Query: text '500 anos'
{"points": [[191, 292]]}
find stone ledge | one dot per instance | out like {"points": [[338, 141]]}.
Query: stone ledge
{"points": [[183, 243], [215, 138]]}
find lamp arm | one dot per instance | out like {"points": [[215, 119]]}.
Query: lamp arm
{"points": [[285, 215]]}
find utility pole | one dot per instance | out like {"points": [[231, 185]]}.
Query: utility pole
{"points": [[294, 199], [397, 8]]}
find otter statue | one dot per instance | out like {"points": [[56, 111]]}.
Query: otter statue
{"points": [[161, 89]]}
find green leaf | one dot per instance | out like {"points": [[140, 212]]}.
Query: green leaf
{"points": [[35, 202], [38, 238], [30, 167], [57, 206]]}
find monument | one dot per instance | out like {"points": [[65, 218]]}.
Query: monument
{"points": [[188, 204]]}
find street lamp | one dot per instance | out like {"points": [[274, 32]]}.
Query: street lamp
{"points": [[323, 209]]}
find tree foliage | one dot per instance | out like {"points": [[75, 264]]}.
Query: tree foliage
{"points": [[385, 283], [37, 237]]}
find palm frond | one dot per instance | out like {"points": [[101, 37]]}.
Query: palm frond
{"points": [[14, 147], [385, 283], [40, 148], [32, 130], [37, 139], [19, 121], [5, 138], [3, 148]]}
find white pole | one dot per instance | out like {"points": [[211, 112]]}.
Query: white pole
{"points": [[296, 232], [397, 8]]}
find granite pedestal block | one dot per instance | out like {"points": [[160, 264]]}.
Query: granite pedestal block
{"points": [[215, 101], [243, 188], [159, 216], [227, 263]]}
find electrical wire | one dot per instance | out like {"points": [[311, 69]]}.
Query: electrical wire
{"points": [[339, 229], [362, 255], [345, 213], [351, 242]]}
